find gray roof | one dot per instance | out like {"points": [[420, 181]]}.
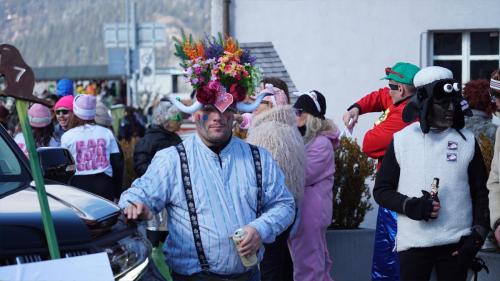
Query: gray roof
{"points": [[269, 61], [77, 72]]}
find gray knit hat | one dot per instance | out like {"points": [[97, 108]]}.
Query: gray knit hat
{"points": [[103, 115]]}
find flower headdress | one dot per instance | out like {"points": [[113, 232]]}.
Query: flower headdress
{"points": [[221, 73]]}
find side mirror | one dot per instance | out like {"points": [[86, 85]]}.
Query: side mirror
{"points": [[57, 163]]}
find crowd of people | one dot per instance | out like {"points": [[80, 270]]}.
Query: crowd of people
{"points": [[266, 167]]}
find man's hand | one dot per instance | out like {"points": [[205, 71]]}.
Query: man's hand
{"points": [[497, 234], [435, 209], [423, 208], [251, 243], [351, 117], [137, 211], [468, 248]]}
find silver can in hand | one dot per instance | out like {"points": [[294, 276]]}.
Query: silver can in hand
{"points": [[238, 236]]}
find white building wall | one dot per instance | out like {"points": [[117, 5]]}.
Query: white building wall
{"points": [[342, 47]]}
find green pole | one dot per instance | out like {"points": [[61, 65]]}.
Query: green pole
{"points": [[48, 224], [159, 261]]}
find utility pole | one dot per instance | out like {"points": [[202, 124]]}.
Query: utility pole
{"points": [[134, 48], [130, 21], [127, 51], [134, 44]]}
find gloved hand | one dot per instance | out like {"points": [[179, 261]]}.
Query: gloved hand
{"points": [[468, 247], [419, 208]]}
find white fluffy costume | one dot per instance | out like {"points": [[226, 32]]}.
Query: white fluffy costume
{"points": [[275, 130]]}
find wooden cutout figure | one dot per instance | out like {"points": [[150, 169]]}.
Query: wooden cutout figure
{"points": [[19, 77], [20, 81]]}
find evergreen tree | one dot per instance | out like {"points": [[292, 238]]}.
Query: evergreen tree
{"points": [[351, 195]]}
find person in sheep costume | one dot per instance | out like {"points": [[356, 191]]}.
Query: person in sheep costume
{"points": [[446, 231]]}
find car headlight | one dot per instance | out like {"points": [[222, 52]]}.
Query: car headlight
{"points": [[129, 257]]}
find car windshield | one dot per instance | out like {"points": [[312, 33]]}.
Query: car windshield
{"points": [[12, 172]]}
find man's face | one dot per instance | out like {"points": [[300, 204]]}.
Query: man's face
{"points": [[396, 91], [213, 126], [441, 113], [63, 115]]}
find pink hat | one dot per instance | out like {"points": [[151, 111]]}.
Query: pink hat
{"points": [[39, 116], [84, 107], [278, 96], [66, 102]]}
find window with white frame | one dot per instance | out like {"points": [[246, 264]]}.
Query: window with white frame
{"points": [[469, 55]]}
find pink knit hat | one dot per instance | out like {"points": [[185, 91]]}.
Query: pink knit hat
{"points": [[39, 116], [84, 107], [66, 102]]}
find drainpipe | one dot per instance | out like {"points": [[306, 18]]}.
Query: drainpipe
{"points": [[225, 17]]}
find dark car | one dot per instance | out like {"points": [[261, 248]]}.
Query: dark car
{"points": [[84, 223]]}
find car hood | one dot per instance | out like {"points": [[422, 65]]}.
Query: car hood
{"points": [[74, 212]]}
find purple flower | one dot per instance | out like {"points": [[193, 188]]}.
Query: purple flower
{"points": [[246, 57], [213, 49]]}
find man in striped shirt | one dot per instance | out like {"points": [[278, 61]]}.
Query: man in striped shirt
{"points": [[212, 185]]}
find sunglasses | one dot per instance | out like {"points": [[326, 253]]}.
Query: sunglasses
{"points": [[389, 70], [62, 112], [393, 87], [298, 112]]}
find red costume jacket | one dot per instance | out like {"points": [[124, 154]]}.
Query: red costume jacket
{"points": [[379, 137]]}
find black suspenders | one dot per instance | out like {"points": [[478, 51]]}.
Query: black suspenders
{"points": [[188, 192], [258, 176]]}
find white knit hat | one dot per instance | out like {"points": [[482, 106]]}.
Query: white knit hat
{"points": [[84, 107]]}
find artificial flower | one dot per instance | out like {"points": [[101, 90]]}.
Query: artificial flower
{"points": [[215, 65]]}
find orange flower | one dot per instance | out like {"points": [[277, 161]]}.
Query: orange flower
{"points": [[231, 57], [200, 49], [231, 46], [194, 51]]}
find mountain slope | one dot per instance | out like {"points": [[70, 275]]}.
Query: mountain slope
{"points": [[70, 32]]}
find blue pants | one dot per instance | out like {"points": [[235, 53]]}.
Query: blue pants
{"points": [[385, 262]]}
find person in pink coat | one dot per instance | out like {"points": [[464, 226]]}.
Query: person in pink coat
{"points": [[307, 243]]}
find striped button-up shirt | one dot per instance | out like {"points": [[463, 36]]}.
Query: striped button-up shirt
{"points": [[225, 195]]}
